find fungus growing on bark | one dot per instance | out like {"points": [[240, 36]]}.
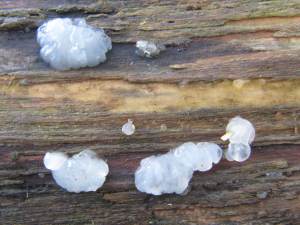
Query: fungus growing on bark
{"points": [[148, 49], [72, 44], [82, 172], [240, 133], [128, 128], [171, 172]]}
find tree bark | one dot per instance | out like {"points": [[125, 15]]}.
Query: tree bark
{"points": [[223, 58]]}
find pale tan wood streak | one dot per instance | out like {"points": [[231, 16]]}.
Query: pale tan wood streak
{"points": [[123, 97]]}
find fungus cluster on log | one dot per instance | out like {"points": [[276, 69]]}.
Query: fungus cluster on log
{"points": [[167, 173], [72, 44], [83, 172], [62, 89]]}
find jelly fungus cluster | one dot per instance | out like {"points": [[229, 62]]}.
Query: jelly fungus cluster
{"points": [[71, 44], [171, 172], [82, 172], [240, 133]]}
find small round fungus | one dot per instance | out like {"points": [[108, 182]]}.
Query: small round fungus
{"points": [[239, 152], [148, 49], [239, 130], [82, 172], [128, 128], [54, 160], [72, 44], [240, 133], [171, 172]]}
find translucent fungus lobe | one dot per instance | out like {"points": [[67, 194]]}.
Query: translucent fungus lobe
{"points": [[171, 172], [72, 44], [82, 172], [54, 160], [240, 133], [128, 128], [148, 49], [239, 130], [162, 174], [238, 152], [214, 150], [192, 156]]}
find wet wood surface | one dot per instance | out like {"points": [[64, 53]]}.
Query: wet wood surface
{"points": [[223, 58]]}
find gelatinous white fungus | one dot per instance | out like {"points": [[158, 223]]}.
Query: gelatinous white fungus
{"points": [[240, 133], [227, 156], [239, 130], [54, 160], [162, 174], [148, 49], [72, 44], [82, 172], [171, 172], [192, 156], [128, 128], [239, 152], [212, 149]]}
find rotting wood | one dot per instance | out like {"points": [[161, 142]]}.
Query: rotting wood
{"points": [[223, 58]]}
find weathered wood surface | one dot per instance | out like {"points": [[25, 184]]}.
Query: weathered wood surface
{"points": [[223, 58]]}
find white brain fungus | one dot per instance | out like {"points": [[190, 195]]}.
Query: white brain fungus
{"points": [[171, 172], [82, 172], [71, 44]]}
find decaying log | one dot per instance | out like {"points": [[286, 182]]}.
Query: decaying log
{"points": [[223, 58]]}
